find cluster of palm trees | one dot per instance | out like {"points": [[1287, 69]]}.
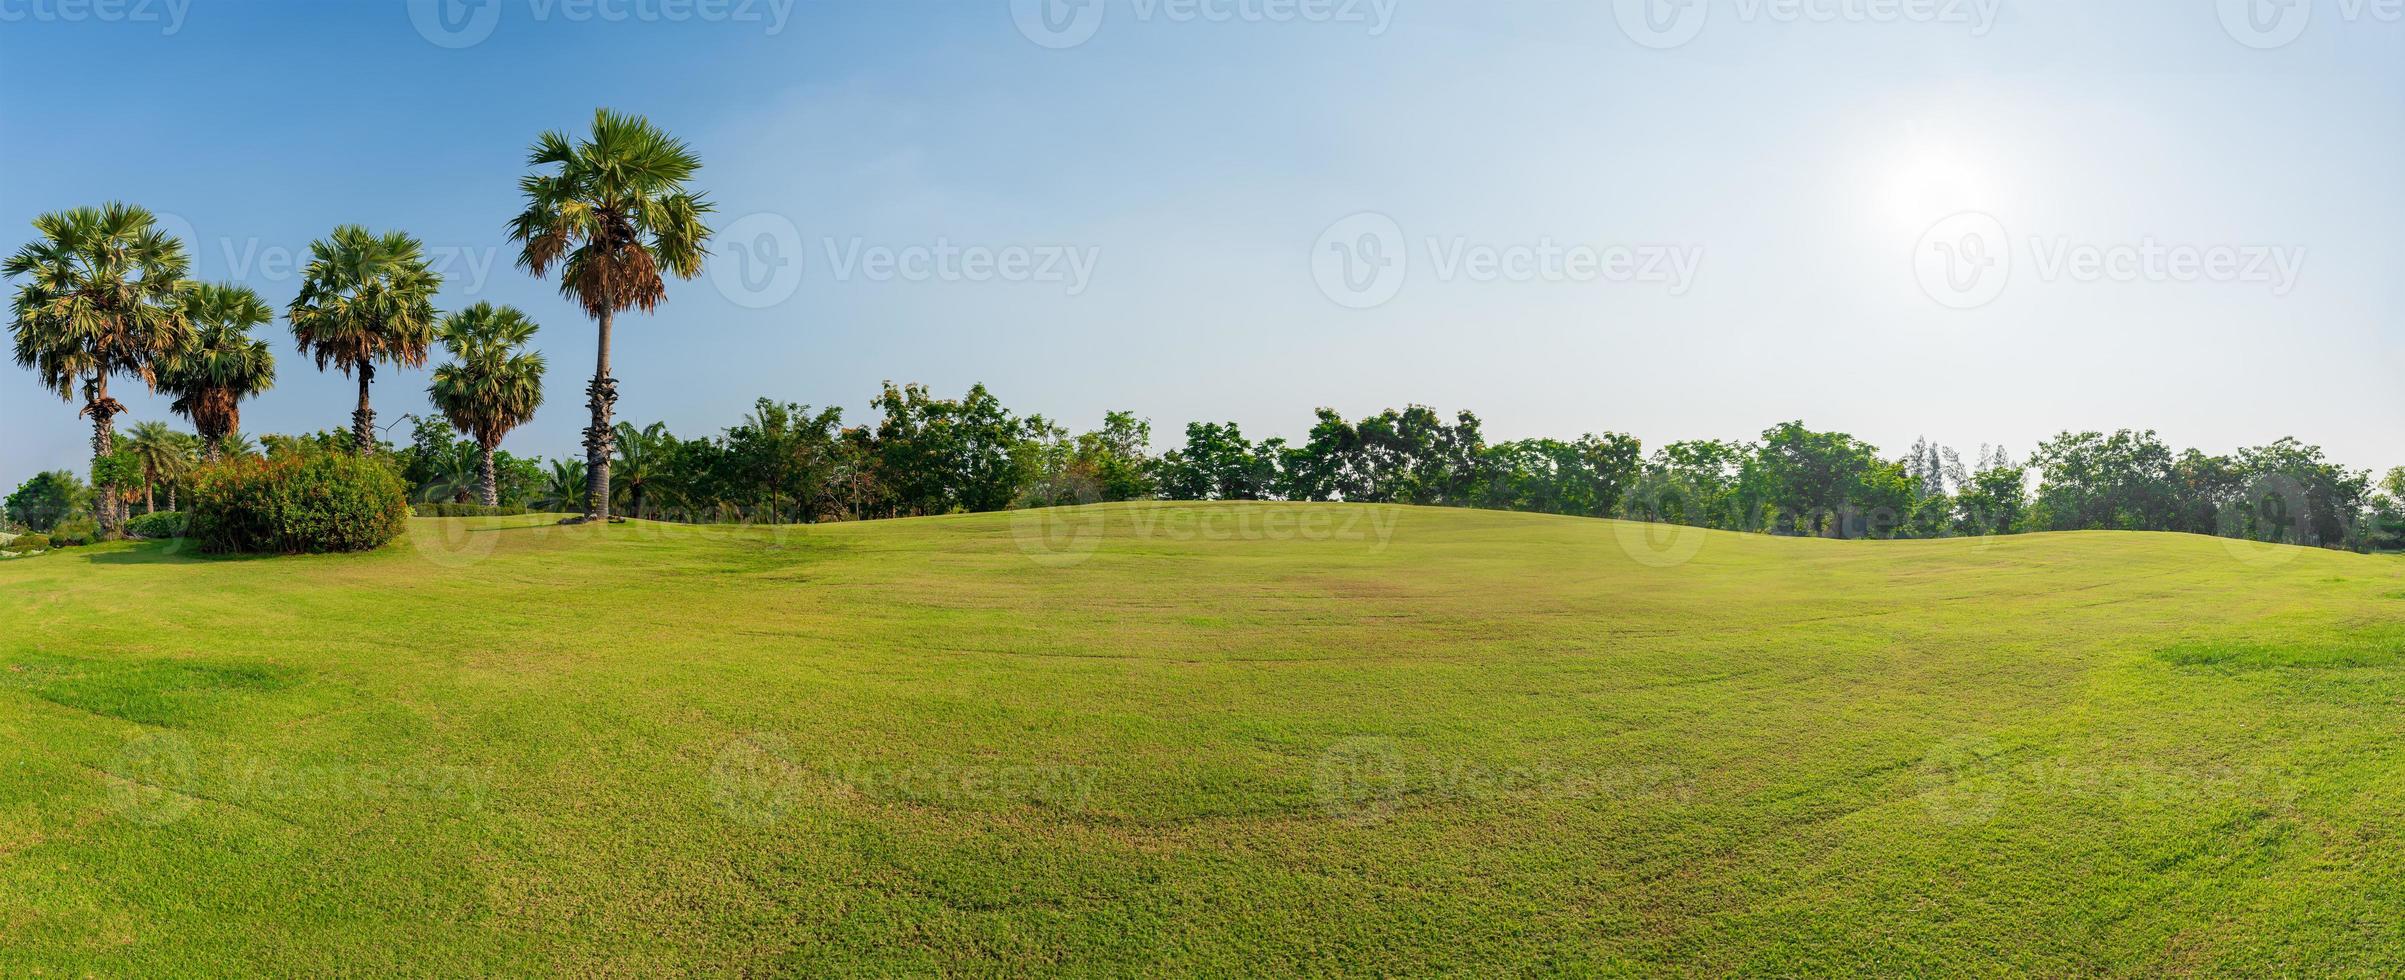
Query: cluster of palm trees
{"points": [[104, 295]]}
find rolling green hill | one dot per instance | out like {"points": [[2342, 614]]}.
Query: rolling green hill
{"points": [[1203, 739]]}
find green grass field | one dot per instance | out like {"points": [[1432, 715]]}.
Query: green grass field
{"points": [[1203, 739]]}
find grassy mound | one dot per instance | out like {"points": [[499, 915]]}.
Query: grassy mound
{"points": [[1202, 739]]}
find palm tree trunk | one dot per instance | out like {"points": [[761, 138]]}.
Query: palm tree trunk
{"points": [[216, 445], [635, 501], [602, 395], [104, 442], [150, 500], [363, 421], [491, 489], [171, 497]]}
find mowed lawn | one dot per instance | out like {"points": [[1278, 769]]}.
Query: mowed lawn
{"points": [[1203, 739]]}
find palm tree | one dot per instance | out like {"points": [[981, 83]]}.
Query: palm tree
{"points": [[224, 365], [494, 384], [236, 445], [365, 298], [642, 458], [567, 483], [102, 297], [613, 217], [164, 455]]}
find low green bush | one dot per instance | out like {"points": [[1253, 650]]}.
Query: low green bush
{"points": [[153, 527], [297, 505], [74, 532], [468, 510], [27, 543]]}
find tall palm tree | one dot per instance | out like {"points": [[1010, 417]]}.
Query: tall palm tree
{"points": [[164, 455], [365, 299], [102, 297], [642, 458], [612, 217], [224, 365], [493, 385]]}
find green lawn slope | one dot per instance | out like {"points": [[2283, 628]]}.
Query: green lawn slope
{"points": [[1203, 739]]}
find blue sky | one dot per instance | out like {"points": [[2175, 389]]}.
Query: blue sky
{"points": [[1562, 215]]}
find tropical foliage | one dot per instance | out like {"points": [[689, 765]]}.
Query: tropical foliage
{"points": [[101, 297], [224, 366], [365, 300], [493, 383], [612, 214]]}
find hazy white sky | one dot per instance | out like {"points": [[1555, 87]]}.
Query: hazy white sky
{"points": [[1983, 221]]}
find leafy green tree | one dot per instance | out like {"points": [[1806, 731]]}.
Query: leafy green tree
{"points": [[224, 365], [47, 499], [1994, 501], [1219, 463], [612, 217], [2119, 482], [940, 455], [101, 297], [1819, 480], [1591, 477], [2293, 494], [365, 300], [493, 383], [1115, 458]]}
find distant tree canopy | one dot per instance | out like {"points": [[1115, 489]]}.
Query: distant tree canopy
{"points": [[921, 454]]}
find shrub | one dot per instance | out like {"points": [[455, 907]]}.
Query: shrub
{"points": [[27, 543], [152, 527], [467, 510], [75, 532], [299, 504]]}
